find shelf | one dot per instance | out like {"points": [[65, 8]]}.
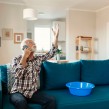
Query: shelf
{"points": [[84, 38], [83, 51], [84, 47]]}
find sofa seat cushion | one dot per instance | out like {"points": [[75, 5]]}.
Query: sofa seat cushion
{"points": [[57, 75], [8, 105], [95, 71], [99, 99]]}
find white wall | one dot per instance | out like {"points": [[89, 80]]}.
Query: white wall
{"points": [[102, 33], [11, 17], [78, 23]]}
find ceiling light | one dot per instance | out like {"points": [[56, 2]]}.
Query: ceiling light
{"points": [[29, 14]]}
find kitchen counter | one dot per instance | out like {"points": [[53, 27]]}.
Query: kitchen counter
{"points": [[60, 61]]}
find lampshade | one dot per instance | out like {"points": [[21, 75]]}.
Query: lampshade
{"points": [[29, 14]]}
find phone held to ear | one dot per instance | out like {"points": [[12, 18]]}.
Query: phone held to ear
{"points": [[32, 49], [25, 46]]}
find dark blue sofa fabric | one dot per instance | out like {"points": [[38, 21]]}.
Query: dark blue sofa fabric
{"points": [[0, 91], [99, 99], [57, 75], [54, 76], [95, 71], [3, 73]]}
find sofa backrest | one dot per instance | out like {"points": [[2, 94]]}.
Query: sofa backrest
{"points": [[52, 75], [55, 76], [95, 71]]}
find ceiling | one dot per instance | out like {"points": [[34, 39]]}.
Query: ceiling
{"points": [[54, 9]]}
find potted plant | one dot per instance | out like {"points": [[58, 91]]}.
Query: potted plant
{"points": [[59, 51]]}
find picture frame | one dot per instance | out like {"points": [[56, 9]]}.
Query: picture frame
{"points": [[18, 37], [29, 35], [7, 33]]}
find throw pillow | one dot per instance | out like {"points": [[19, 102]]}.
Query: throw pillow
{"points": [[57, 75], [95, 71]]}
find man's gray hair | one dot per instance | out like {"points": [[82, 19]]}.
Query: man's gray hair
{"points": [[24, 42]]}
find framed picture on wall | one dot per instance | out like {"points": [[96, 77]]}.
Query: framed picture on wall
{"points": [[7, 33], [29, 35], [18, 37]]}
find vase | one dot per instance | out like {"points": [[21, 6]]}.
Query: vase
{"points": [[58, 57]]}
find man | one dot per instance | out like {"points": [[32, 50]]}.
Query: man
{"points": [[26, 68]]}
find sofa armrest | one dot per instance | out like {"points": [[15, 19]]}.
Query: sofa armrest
{"points": [[0, 91]]}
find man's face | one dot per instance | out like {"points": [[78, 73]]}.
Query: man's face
{"points": [[31, 45]]}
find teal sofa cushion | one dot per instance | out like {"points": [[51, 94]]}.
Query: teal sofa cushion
{"points": [[57, 75], [95, 71], [3, 73], [98, 99]]}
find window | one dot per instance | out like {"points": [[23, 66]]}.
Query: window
{"points": [[42, 38]]}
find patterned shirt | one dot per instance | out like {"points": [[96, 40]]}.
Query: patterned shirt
{"points": [[26, 78]]}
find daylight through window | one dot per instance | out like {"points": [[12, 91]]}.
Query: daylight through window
{"points": [[42, 38]]}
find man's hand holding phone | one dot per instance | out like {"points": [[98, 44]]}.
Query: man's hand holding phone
{"points": [[26, 54], [27, 51]]}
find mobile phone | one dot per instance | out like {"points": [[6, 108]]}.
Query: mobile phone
{"points": [[25, 46]]}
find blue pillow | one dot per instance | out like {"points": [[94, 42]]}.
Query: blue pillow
{"points": [[95, 71], [3, 73], [57, 75]]}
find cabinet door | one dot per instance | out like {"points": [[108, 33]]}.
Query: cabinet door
{"points": [[62, 34]]}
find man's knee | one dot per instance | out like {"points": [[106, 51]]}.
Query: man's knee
{"points": [[18, 101]]}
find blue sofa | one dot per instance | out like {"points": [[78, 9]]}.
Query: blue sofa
{"points": [[53, 78]]}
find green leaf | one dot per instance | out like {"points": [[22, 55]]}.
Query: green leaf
{"points": [[59, 51]]}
